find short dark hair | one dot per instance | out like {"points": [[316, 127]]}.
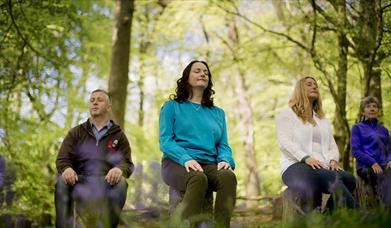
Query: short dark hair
{"points": [[102, 91], [183, 91], [364, 102]]}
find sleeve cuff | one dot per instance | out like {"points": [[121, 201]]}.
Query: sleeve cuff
{"points": [[184, 159], [304, 158], [228, 160]]}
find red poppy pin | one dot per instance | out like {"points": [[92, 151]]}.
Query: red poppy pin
{"points": [[112, 144]]}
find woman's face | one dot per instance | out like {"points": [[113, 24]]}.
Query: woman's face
{"points": [[199, 76], [312, 89], [370, 111]]}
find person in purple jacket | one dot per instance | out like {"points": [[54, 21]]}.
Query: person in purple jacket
{"points": [[371, 146]]}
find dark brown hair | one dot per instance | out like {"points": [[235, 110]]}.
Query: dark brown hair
{"points": [[183, 91]]}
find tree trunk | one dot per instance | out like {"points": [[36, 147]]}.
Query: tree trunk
{"points": [[372, 81], [246, 123], [368, 42], [118, 80], [245, 119], [341, 128], [140, 85]]}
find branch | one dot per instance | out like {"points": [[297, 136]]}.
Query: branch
{"points": [[385, 7], [22, 36], [206, 36], [257, 198], [324, 14], [237, 13]]}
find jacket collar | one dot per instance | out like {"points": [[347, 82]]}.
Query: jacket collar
{"points": [[87, 125], [372, 122]]}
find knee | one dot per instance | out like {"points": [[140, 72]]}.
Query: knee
{"points": [[197, 178], [227, 178], [61, 185], [122, 184], [307, 189], [350, 182], [121, 187]]}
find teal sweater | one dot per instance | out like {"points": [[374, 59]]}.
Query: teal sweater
{"points": [[191, 131]]}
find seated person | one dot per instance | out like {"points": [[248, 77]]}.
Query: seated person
{"points": [[371, 146], [93, 162], [193, 139], [309, 154]]}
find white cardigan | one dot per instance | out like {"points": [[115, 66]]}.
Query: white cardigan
{"points": [[295, 139]]}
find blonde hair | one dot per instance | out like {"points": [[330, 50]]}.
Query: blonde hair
{"points": [[301, 105]]}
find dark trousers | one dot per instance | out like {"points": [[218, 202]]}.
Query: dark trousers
{"points": [[92, 194], [195, 184], [309, 184], [380, 183]]}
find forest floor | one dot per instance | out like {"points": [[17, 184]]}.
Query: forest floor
{"points": [[151, 218]]}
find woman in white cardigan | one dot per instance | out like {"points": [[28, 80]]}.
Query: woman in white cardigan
{"points": [[309, 158]]}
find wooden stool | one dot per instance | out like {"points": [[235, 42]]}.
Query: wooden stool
{"points": [[291, 205], [365, 195], [176, 196]]}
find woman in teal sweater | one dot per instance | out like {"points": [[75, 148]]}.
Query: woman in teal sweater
{"points": [[193, 139]]}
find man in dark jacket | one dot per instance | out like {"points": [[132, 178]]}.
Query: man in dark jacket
{"points": [[92, 163]]}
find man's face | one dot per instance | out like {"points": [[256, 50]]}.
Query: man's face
{"points": [[99, 104]]}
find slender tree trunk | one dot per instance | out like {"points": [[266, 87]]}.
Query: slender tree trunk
{"points": [[118, 80], [368, 43], [245, 119], [140, 85], [372, 81], [246, 123], [342, 130]]}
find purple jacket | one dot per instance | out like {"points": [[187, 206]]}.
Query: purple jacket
{"points": [[370, 143]]}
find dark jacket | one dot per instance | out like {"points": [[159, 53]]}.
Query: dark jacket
{"points": [[87, 156]]}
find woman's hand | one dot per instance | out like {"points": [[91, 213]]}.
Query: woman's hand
{"points": [[334, 166], [223, 165], [194, 165], [389, 165], [376, 168], [315, 164]]}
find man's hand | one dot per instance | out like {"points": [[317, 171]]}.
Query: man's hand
{"points": [[70, 176], [113, 176], [334, 166], [223, 165], [315, 164], [194, 165], [376, 168]]}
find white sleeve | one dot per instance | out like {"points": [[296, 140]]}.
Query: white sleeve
{"points": [[333, 152], [285, 138]]}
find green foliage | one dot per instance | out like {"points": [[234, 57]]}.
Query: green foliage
{"points": [[345, 218]]}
